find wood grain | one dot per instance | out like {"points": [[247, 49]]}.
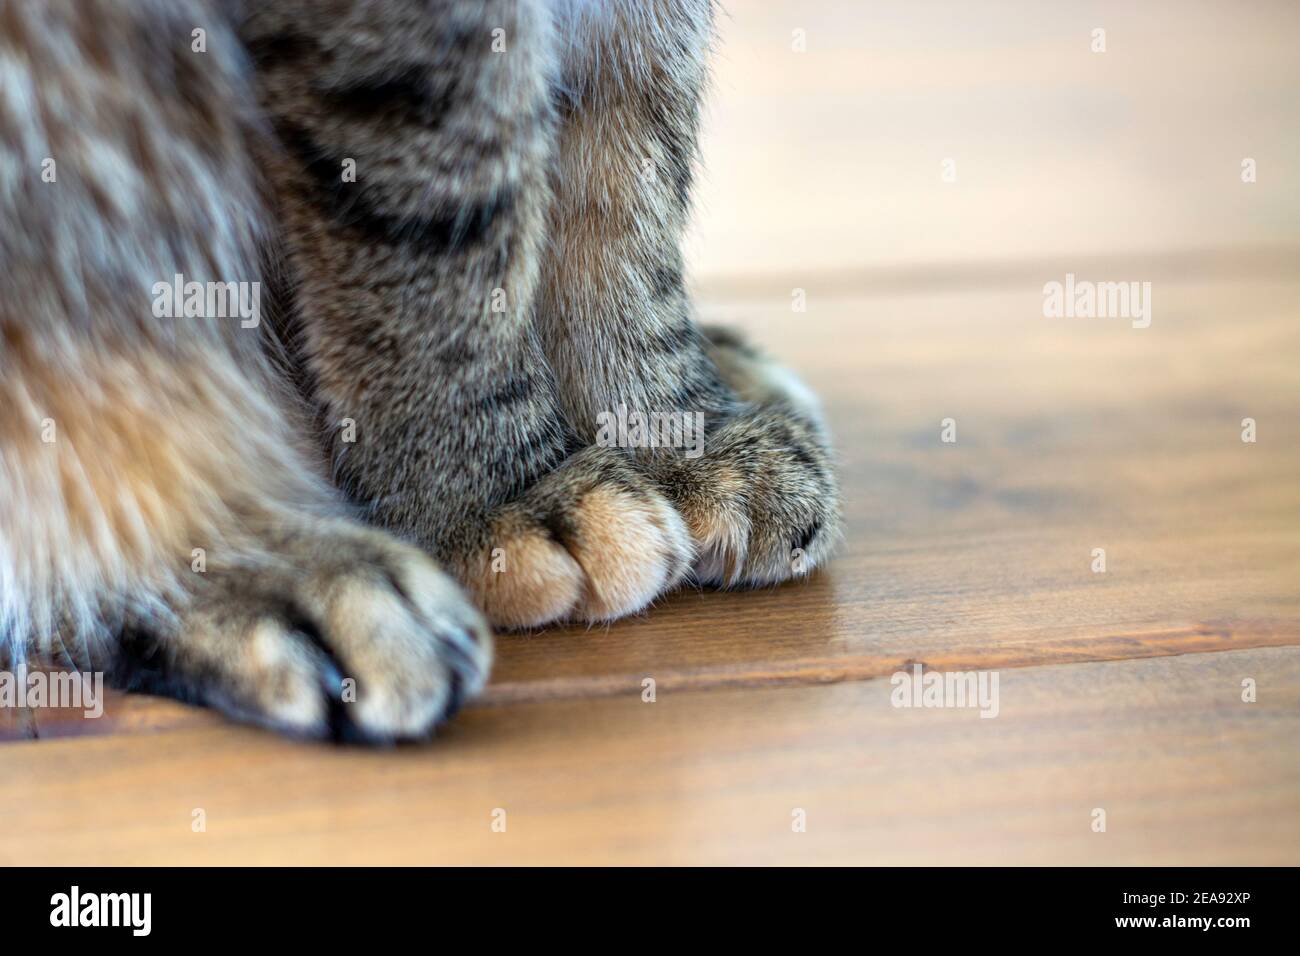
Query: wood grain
{"points": [[1186, 772]]}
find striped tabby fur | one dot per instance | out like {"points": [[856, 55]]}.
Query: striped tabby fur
{"points": [[465, 221]]}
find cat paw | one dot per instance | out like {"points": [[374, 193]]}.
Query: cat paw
{"points": [[761, 501], [591, 541], [338, 632]]}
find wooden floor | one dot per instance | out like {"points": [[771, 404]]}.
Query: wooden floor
{"points": [[1119, 691]]}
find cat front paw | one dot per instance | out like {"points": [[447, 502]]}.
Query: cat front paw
{"points": [[336, 631]]}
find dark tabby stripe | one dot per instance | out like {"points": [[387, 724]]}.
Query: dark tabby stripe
{"points": [[347, 204], [667, 281], [282, 49], [516, 389], [678, 337], [408, 95]]}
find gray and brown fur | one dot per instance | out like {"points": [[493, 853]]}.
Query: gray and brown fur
{"points": [[445, 331]]}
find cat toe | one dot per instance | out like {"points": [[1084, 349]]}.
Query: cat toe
{"points": [[593, 541]]}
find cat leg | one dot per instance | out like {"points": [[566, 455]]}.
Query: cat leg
{"points": [[163, 516], [413, 188], [761, 502]]}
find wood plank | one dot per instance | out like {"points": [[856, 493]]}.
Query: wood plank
{"points": [[1186, 772]]}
